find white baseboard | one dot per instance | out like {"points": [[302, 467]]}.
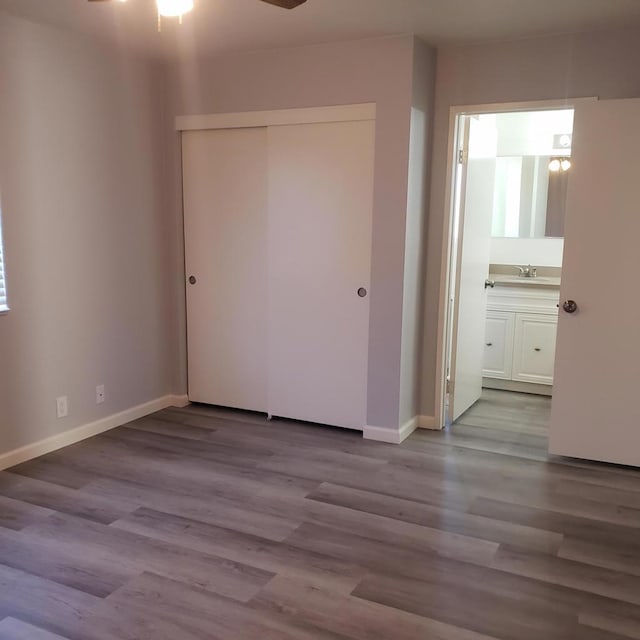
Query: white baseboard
{"points": [[427, 422], [392, 436], [180, 401], [30, 451]]}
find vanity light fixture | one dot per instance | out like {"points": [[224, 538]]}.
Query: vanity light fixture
{"points": [[557, 165]]}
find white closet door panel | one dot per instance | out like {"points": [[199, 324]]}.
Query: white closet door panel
{"points": [[225, 205], [320, 216]]}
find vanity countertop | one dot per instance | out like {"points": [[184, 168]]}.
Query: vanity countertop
{"points": [[515, 281]]}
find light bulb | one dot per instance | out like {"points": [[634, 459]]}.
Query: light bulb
{"points": [[565, 164], [554, 165], [174, 8]]}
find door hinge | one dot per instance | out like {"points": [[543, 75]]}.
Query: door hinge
{"points": [[448, 386], [462, 156]]}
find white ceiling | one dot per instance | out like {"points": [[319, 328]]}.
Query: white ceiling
{"points": [[221, 26]]}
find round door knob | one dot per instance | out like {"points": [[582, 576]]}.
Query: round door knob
{"points": [[192, 280], [570, 306], [362, 292]]}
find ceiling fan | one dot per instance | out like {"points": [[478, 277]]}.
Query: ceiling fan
{"points": [[174, 8], [177, 8]]}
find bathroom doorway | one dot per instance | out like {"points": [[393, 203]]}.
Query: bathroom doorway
{"points": [[509, 174]]}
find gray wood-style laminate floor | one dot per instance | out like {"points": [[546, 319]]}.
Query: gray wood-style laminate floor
{"points": [[202, 523]]}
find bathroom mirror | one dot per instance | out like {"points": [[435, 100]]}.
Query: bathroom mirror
{"points": [[532, 155], [529, 196]]}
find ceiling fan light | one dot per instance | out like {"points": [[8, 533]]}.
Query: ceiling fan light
{"points": [[174, 8]]}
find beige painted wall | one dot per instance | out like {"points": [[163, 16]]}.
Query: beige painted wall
{"points": [[377, 71], [603, 64], [85, 224]]}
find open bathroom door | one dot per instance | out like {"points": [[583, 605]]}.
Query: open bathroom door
{"points": [[595, 410], [472, 269]]}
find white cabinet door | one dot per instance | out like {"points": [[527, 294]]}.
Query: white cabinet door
{"points": [[534, 348], [595, 412], [225, 223], [498, 345], [320, 216]]}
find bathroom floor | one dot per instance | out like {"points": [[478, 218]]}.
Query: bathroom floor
{"points": [[509, 411]]}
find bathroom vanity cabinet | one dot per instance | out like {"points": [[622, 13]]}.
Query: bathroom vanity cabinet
{"points": [[520, 338]]}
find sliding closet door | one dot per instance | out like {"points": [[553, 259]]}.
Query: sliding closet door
{"points": [[225, 200], [320, 215]]}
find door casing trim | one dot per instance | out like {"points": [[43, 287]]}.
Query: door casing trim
{"points": [[446, 287]]}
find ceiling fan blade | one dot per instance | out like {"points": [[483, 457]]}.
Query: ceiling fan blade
{"points": [[286, 4]]}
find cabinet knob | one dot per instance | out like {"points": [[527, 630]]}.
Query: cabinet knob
{"points": [[489, 344], [537, 349], [192, 280], [362, 292]]}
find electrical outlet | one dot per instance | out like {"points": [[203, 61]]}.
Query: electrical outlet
{"points": [[62, 407], [100, 394]]}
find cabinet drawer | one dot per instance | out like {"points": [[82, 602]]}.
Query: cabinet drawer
{"points": [[534, 348], [523, 300], [498, 345]]}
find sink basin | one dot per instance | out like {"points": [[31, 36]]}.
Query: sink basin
{"points": [[540, 281]]}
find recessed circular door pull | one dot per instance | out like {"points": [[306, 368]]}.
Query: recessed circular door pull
{"points": [[570, 306], [192, 280], [362, 292]]}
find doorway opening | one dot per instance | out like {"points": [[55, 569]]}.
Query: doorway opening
{"points": [[509, 174]]}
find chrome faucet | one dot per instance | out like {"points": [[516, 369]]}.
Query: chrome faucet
{"points": [[527, 272]]}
